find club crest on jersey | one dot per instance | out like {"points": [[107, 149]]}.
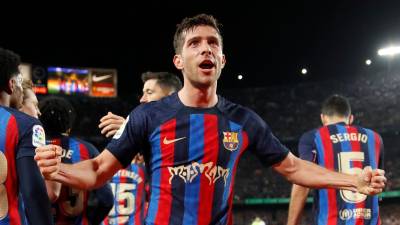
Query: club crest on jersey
{"points": [[231, 141], [38, 136]]}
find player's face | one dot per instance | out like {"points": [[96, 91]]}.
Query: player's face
{"points": [[201, 59], [17, 92], [152, 91], [30, 104]]}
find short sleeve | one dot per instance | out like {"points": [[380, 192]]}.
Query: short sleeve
{"points": [[130, 138], [31, 137], [264, 143]]}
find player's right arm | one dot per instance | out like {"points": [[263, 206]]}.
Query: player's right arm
{"points": [[298, 198], [85, 175]]}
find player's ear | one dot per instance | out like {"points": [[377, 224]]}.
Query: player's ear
{"points": [[178, 62], [322, 119], [10, 86], [223, 60], [351, 119]]}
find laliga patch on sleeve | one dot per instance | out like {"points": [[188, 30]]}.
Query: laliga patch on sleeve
{"points": [[38, 136], [118, 134]]}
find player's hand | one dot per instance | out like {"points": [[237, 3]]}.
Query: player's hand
{"points": [[110, 123], [48, 159], [371, 182]]}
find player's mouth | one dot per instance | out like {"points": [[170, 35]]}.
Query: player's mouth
{"points": [[207, 66]]}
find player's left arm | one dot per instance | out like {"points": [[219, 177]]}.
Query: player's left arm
{"points": [[299, 193], [31, 183], [33, 191], [310, 175], [298, 199], [53, 190]]}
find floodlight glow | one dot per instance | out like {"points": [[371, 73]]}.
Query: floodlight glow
{"points": [[368, 62], [239, 77], [304, 71], [390, 51]]}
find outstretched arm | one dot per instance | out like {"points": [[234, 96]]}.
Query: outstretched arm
{"points": [[88, 174], [298, 198], [310, 175], [110, 123]]}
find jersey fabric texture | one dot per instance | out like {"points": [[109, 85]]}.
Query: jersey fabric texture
{"points": [[192, 155], [346, 149]]}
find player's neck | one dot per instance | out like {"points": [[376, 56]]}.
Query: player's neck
{"points": [[4, 99], [335, 120], [199, 97]]}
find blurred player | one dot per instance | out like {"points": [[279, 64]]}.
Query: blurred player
{"points": [[71, 207], [343, 147], [129, 184], [30, 104], [20, 134], [192, 142]]}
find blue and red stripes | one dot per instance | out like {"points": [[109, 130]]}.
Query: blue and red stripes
{"points": [[327, 197], [348, 141], [139, 194], [374, 148], [233, 163], [8, 142], [196, 146], [210, 155], [163, 157]]}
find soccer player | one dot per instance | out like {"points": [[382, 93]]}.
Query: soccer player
{"points": [[192, 142], [58, 117], [129, 184], [20, 134], [30, 106], [343, 147], [30, 103]]}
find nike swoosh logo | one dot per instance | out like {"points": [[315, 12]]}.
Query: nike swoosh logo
{"points": [[100, 78], [167, 142]]}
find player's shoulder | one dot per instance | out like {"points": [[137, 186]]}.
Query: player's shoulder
{"points": [[366, 130], [23, 120], [165, 105], [237, 111]]}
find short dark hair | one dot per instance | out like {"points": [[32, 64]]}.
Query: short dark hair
{"points": [[164, 79], [336, 105], [58, 115], [189, 24], [9, 62]]}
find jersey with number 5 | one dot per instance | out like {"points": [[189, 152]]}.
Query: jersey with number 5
{"points": [[347, 149]]}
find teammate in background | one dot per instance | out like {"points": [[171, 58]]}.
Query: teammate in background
{"points": [[192, 142], [30, 104], [156, 85], [58, 118], [343, 147], [20, 134], [129, 183]]}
